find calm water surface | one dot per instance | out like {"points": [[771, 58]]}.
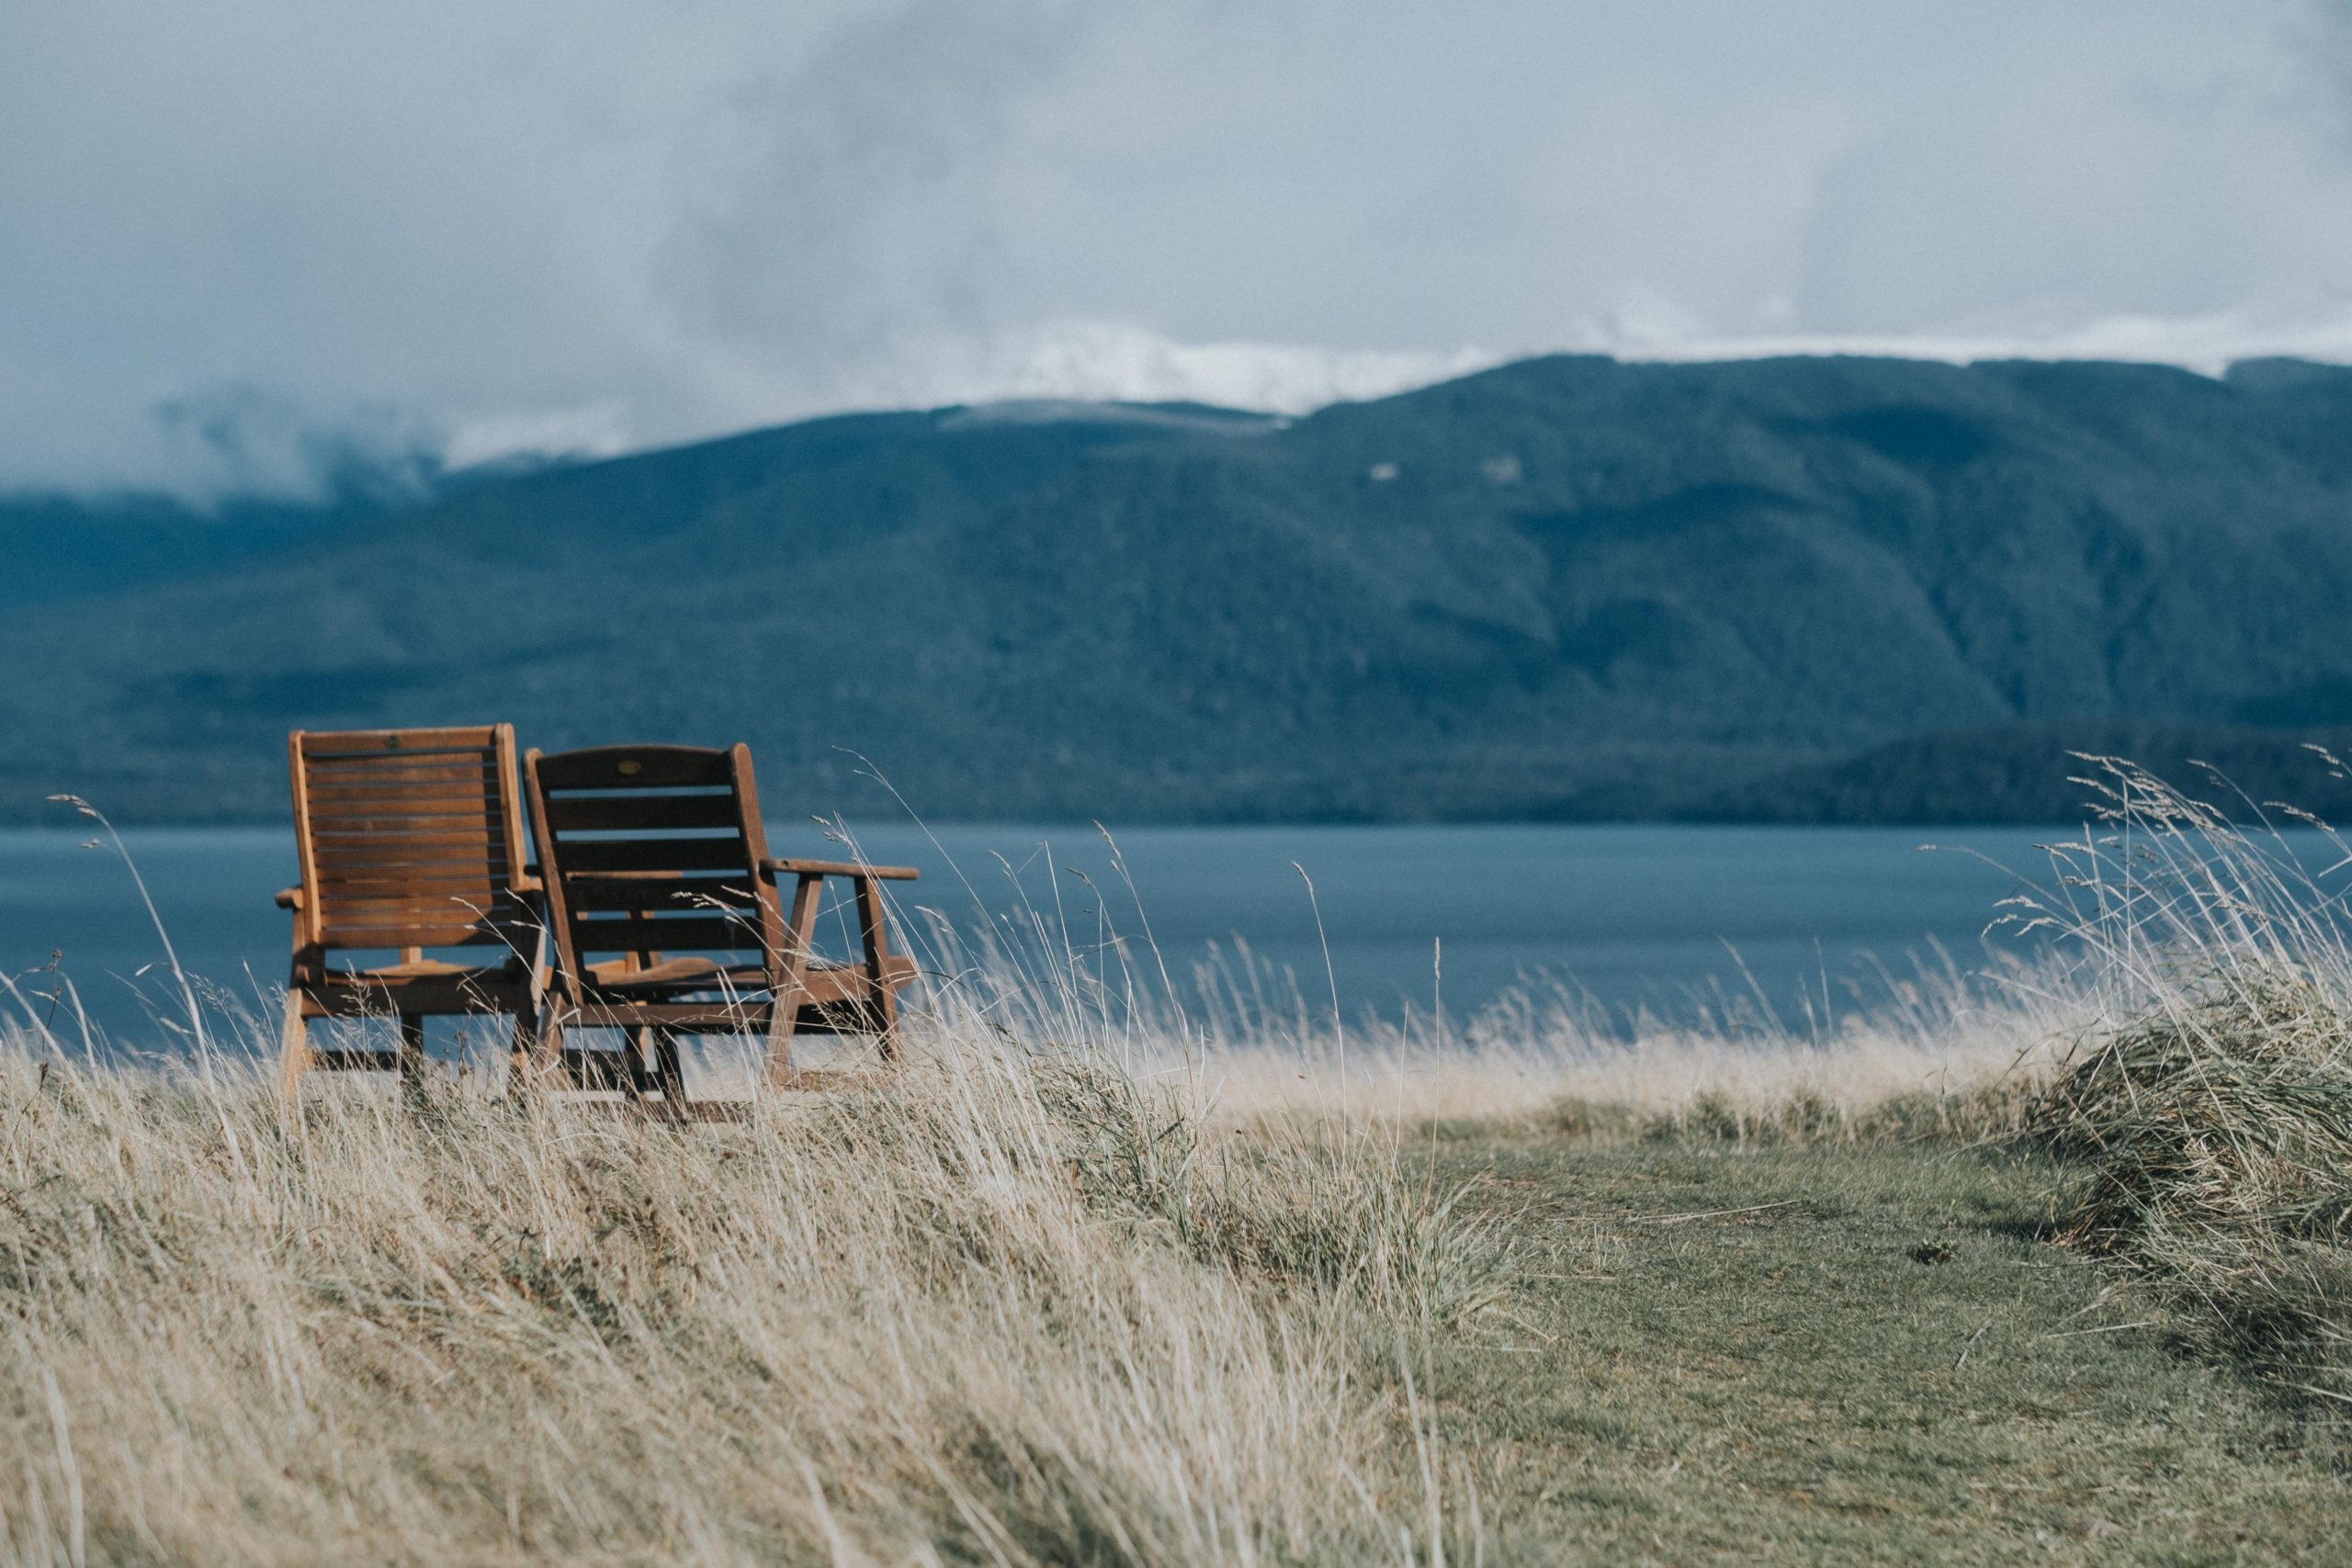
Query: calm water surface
{"points": [[1638, 915]]}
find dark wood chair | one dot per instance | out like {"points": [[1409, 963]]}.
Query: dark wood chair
{"points": [[409, 840], [669, 918]]}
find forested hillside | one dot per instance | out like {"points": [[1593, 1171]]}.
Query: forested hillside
{"points": [[1802, 588]]}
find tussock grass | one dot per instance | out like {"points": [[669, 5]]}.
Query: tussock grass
{"points": [[2212, 1150], [2207, 1123]]}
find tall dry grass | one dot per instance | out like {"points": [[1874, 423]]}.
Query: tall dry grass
{"points": [[1021, 1299], [997, 1309], [1113, 1269], [1954, 1047], [1945, 1053], [2182, 1039]]}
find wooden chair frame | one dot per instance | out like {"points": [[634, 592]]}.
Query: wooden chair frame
{"points": [[408, 840], [650, 851]]}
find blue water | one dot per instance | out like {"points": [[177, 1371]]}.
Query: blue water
{"points": [[1637, 916]]}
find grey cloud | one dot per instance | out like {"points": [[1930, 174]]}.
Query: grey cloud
{"points": [[244, 439], [860, 211], [2321, 41], [443, 227]]}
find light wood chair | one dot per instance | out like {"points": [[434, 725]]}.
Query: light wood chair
{"points": [[669, 919], [410, 840]]}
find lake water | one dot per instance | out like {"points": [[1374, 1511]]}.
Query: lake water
{"points": [[1641, 916]]}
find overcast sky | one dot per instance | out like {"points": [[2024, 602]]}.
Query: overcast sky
{"points": [[233, 234]]}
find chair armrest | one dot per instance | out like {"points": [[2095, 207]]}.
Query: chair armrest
{"points": [[784, 866], [527, 882], [289, 897]]}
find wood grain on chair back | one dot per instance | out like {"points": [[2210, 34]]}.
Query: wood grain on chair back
{"points": [[652, 853], [409, 838]]}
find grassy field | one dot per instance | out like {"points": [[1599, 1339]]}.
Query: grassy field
{"points": [[1027, 1313], [1837, 1354], [2047, 1265]]}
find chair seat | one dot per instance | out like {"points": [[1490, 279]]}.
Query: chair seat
{"points": [[672, 973], [412, 969], [823, 977], [416, 972], [414, 987]]}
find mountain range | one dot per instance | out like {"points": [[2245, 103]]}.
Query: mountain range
{"points": [[1801, 589]]}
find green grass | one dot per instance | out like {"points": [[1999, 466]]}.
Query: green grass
{"points": [[1835, 1354]]}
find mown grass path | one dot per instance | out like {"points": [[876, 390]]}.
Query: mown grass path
{"points": [[1847, 1356]]}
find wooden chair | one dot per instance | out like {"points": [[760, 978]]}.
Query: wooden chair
{"points": [[409, 840], [669, 917]]}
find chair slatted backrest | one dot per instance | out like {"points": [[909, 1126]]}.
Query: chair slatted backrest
{"points": [[410, 839], [652, 853]]}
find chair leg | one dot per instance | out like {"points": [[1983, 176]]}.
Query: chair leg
{"points": [[519, 1064], [874, 930], [783, 1017], [412, 1051], [787, 976], [548, 1068], [668, 1076], [293, 1047], [639, 1051]]}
